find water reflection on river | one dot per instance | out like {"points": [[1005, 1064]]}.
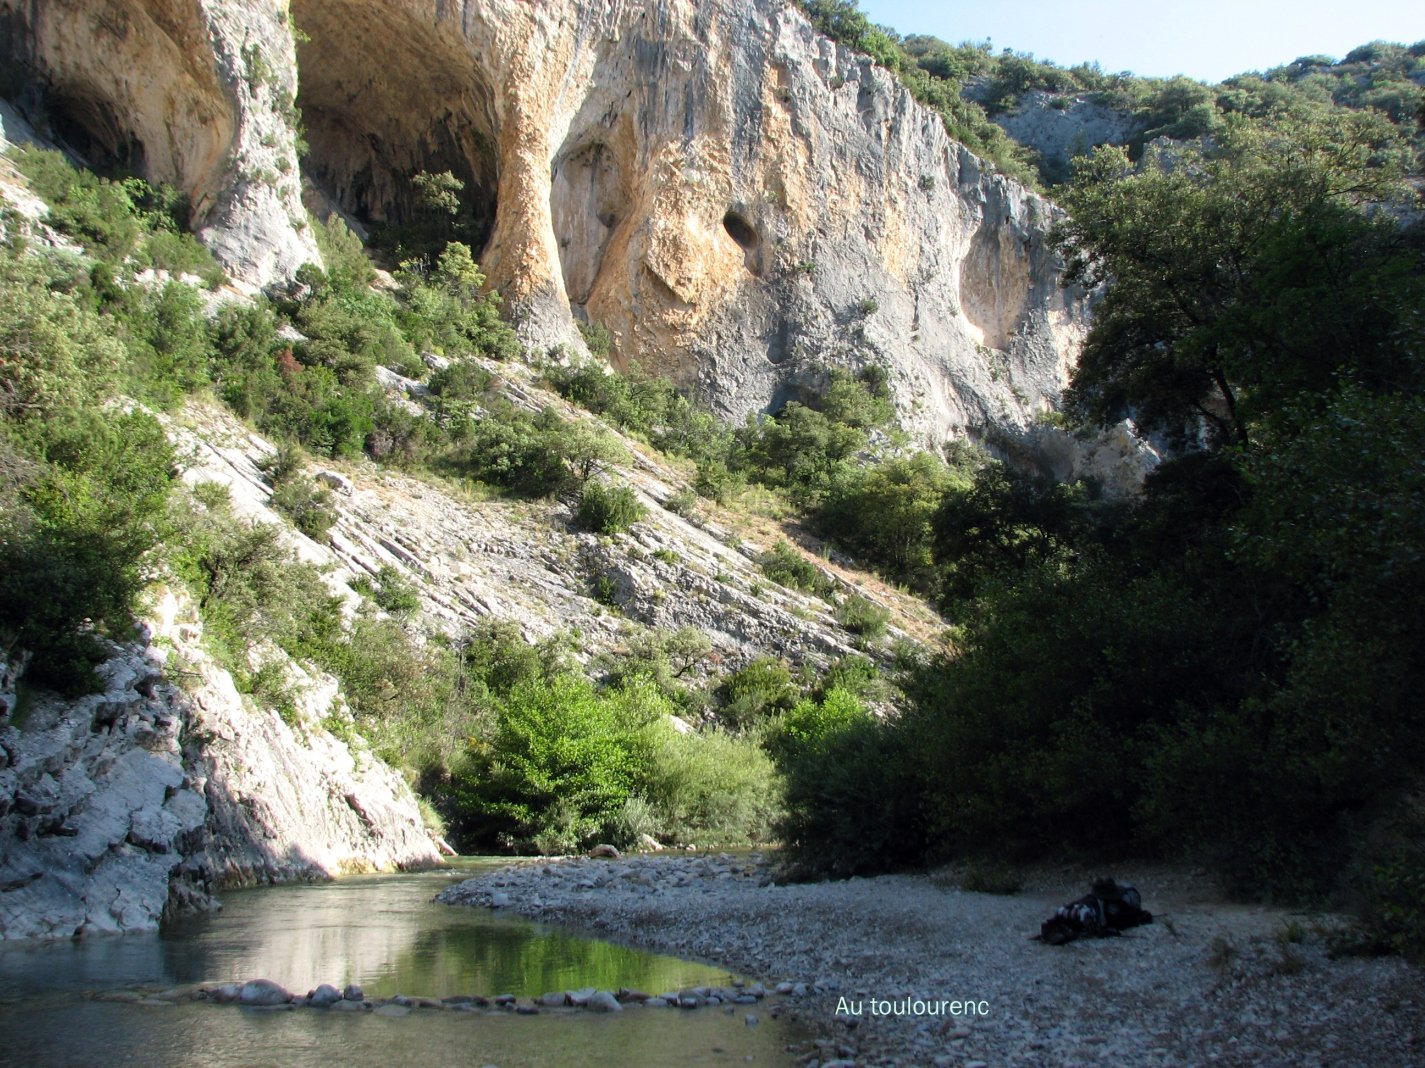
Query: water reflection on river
{"points": [[385, 934]]}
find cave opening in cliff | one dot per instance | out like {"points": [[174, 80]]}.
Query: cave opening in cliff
{"points": [[89, 126], [400, 125]]}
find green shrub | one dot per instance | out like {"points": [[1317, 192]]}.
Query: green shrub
{"points": [[852, 803], [461, 380], [560, 766], [751, 694], [885, 514], [394, 593], [663, 658], [597, 338], [168, 343], [445, 308], [855, 674], [495, 658], [83, 508], [717, 482], [307, 505], [683, 503], [863, 617], [515, 451], [343, 256], [783, 564], [96, 211], [810, 722], [116, 219], [249, 586], [1391, 901], [55, 352], [710, 788], [180, 253], [607, 509]]}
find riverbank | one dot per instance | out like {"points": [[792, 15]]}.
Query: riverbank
{"points": [[911, 970]]}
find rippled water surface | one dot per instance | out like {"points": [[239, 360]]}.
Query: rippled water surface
{"points": [[386, 934]]}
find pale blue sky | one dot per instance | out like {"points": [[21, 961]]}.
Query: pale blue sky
{"points": [[1206, 39]]}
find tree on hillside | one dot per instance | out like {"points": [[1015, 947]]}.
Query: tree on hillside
{"points": [[1241, 273]]}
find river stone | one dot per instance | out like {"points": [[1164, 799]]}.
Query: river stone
{"points": [[347, 1006], [225, 994], [603, 1001], [527, 1010], [503, 1000], [751, 1019], [353, 993], [554, 999], [581, 997], [263, 992], [391, 1010], [657, 1003], [324, 996], [605, 850]]}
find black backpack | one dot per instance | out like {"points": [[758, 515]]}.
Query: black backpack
{"points": [[1106, 910]]}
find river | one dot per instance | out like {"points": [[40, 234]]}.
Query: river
{"points": [[385, 934]]}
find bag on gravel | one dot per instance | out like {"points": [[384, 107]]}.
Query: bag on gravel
{"points": [[1106, 910]]}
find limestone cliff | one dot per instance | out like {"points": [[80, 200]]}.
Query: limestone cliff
{"points": [[144, 799], [737, 198]]}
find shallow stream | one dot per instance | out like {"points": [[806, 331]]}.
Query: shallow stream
{"points": [[385, 934]]}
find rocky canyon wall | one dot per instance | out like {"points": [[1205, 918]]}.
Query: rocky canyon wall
{"points": [[738, 199], [141, 801]]}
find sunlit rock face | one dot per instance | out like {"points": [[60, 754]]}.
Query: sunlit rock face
{"points": [[738, 199]]}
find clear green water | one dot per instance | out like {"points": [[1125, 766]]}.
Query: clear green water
{"points": [[386, 934]]}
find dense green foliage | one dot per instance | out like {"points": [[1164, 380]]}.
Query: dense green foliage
{"points": [[1221, 668], [82, 482], [1242, 276], [117, 220], [516, 748], [1226, 667]]}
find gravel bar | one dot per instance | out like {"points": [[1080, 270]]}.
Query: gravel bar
{"points": [[903, 970]]}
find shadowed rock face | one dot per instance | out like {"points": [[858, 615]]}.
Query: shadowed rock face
{"points": [[135, 803], [737, 198]]}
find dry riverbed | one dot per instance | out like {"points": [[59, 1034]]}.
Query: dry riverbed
{"points": [[910, 970]]}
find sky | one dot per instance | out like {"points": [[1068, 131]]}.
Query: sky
{"points": [[1205, 39]]}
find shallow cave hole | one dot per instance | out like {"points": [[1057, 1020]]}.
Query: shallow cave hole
{"points": [[741, 231], [748, 239]]}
